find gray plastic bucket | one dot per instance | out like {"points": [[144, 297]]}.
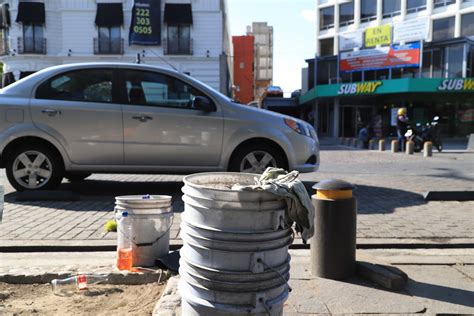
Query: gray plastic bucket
{"points": [[234, 258], [212, 233], [151, 220], [257, 303], [239, 245], [235, 276]]}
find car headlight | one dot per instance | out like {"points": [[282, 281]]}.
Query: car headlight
{"points": [[298, 127]]}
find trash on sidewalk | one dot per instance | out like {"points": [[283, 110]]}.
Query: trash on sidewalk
{"points": [[81, 282]]}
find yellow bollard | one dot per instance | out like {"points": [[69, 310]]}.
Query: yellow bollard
{"points": [[428, 149], [382, 145], [410, 147], [371, 144], [394, 146]]}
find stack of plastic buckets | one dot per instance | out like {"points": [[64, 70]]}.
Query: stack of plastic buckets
{"points": [[235, 257], [151, 217]]}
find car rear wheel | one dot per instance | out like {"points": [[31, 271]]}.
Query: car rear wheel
{"points": [[34, 167], [256, 159]]}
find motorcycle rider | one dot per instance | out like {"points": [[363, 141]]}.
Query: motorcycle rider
{"points": [[402, 121]]}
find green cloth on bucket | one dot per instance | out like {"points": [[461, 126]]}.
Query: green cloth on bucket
{"points": [[287, 185]]}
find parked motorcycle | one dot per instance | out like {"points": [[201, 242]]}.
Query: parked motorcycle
{"points": [[429, 133]]}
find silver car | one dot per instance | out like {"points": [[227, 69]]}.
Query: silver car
{"points": [[77, 119]]}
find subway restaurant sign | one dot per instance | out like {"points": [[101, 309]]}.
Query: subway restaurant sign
{"points": [[359, 88], [380, 35], [394, 86], [456, 85]]}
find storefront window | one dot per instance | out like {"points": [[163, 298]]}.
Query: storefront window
{"points": [[346, 14], [467, 24], [443, 29], [470, 62], [396, 73], [369, 75], [357, 76], [382, 74], [326, 47], [391, 8], [415, 5], [368, 10], [432, 63], [327, 71], [326, 18], [454, 56]]}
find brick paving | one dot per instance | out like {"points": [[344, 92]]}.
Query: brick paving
{"points": [[389, 192]]}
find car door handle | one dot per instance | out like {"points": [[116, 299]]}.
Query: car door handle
{"points": [[142, 118], [51, 112]]}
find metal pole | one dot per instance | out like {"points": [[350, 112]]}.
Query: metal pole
{"points": [[421, 60]]}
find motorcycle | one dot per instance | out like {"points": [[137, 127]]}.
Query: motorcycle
{"points": [[414, 134], [429, 133]]}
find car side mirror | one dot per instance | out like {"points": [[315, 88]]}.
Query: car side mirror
{"points": [[203, 104]]}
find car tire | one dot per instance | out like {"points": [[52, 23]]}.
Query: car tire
{"points": [[77, 176], [36, 163], [256, 158]]}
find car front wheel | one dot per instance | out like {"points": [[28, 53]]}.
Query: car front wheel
{"points": [[256, 159], [34, 167]]}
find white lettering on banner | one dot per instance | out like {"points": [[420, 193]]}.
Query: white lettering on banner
{"points": [[411, 30]]}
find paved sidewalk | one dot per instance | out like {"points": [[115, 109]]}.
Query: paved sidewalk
{"points": [[440, 281], [389, 192]]}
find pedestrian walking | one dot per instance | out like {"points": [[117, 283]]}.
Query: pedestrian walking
{"points": [[402, 120]]}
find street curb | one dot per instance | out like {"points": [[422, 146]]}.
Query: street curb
{"points": [[169, 303], [449, 196], [110, 245], [130, 278]]}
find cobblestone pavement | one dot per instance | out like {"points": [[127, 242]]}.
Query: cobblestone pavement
{"points": [[389, 192]]}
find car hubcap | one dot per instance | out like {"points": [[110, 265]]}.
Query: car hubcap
{"points": [[257, 162], [32, 169]]}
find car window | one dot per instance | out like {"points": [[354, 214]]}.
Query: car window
{"points": [[155, 89], [89, 85]]}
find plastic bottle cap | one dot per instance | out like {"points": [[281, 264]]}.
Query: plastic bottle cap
{"points": [[146, 197], [124, 214]]}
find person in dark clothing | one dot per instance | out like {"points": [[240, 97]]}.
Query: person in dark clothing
{"points": [[402, 120], [364, 135]]}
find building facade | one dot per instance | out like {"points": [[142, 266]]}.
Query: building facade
{"points": [[375, 56], [243, 68], [191, 36], [263, 56]]}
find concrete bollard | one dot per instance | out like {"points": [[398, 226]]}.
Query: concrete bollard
{"points": [[382, 145], [355, 142], [333, 246], [394, 146], [410, 147], [371, 144], [428, 149]]}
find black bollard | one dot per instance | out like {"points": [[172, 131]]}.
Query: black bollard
{"points": [[333, 244]]}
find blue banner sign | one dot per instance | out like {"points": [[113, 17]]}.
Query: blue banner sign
{"points": [[145, 28]]}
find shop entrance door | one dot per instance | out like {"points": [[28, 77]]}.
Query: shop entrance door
{"points": [[353, 118]]}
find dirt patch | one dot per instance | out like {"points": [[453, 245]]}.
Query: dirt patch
{"points": [[38, 299]]}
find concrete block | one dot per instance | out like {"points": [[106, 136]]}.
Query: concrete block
{"points": [[386, 276]]}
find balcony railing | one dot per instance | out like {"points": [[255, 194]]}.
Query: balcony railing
{"points": [[31, 45], [167, 50], [416, 9], [110, 47]]}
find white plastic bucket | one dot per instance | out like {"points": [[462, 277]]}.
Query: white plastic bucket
{"points": [[151, 219]]}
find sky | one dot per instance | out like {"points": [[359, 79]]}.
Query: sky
{"points": [[293, 34]]}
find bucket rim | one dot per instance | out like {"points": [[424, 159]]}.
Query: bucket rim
{"points": [[216, 230], [187, 180], [186, 231], [192, 264], [153, 198], [186, 201], [235, 251]]}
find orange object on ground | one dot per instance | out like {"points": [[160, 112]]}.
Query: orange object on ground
{"points": [[125, 259]]}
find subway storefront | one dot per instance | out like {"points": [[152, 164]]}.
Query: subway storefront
{"points": [[340, 110]]}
